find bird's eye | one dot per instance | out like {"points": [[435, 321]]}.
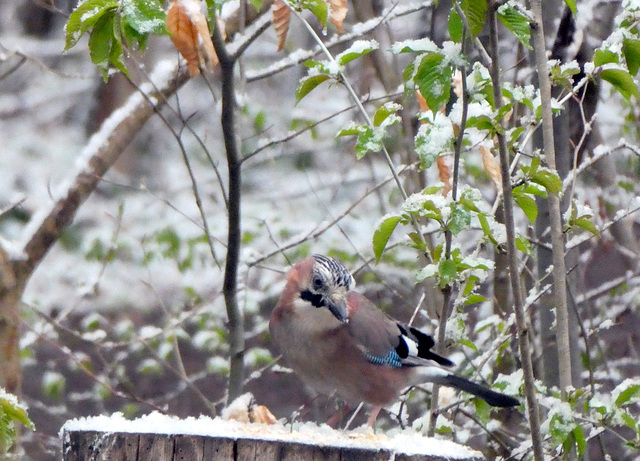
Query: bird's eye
{"points": [[317, 283]]}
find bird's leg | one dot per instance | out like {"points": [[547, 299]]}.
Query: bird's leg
{"points": [[373, 415]]}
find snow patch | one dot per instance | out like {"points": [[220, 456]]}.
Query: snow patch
{"points": [[398, 441]]}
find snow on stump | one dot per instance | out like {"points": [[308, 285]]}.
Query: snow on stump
{"points": [[164, 438]]}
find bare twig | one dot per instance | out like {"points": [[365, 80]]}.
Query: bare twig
{"points": [[514, 273], [557, 237], [234, 164]]}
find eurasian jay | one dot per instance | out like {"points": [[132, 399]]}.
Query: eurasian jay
{"points": [[338, 341]]}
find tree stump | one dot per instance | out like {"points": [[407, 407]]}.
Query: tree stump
{"points": [[163, 438]]}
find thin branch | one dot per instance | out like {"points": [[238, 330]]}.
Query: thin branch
{"points": [[514, 273], [447, 291], [360, 30], [102, 150], [234, 164], [557, 237], [345, 81]]}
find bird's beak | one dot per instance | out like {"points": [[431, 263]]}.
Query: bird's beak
{"points": [[339, 310]]}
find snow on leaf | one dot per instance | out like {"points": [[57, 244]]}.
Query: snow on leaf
{"points": [[627, 392], [84, 17], [516, 22], [281, 17], [426, 272], [145, 16], [421, 45], [357, 49], [385, 111], [13, 409], [433, 78]]}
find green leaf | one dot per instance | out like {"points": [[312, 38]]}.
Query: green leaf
{"points": [[472, 281], [560, 429], [145, 16], [100, 42], [630, 421], [578, 435], [486, 230], [455, 26], [433, 79], [84, 17], [631, 51], [308, 84], [350, 130], [527, 204], [382, 234], [460, 219], [621, 81], [629, 395], [474, 299], [171, 240], [116, 56], [475, 11], [447, 272], [15, 412], [535, 190], [318, 8], [548, 180], [516, 22], [367, 142], [469, 344], [383, 112], [572, 5], [602, 57], [483, 410], [357, 49], [523, 244], [418, 244], [587, 224]]}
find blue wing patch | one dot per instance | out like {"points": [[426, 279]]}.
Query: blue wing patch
{"points": [[391, 359]]}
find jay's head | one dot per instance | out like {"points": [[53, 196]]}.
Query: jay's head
{"points": [[325, 283]]}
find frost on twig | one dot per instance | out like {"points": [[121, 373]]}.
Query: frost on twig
{"points": [[100, 153]]}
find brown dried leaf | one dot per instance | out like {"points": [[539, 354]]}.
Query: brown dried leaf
{"points": [[444, 174], [183, 35], [491, 166], [456, 83], [281, 17], [422, 102], [338, 13], [190, 35], [261, 414]]}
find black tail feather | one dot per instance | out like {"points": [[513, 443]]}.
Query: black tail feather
{"points": [[493, 398], [425, 343]]}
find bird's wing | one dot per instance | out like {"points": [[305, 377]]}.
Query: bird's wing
{"points": [[385, 341]]}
